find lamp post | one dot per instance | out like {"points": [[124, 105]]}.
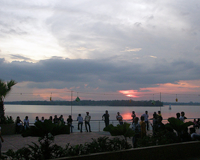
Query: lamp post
{"points": [[160, 101], [71, 101]]}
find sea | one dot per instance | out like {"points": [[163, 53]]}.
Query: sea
{"points": [[96, 112]]}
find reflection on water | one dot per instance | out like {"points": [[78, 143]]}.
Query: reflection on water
{"points": [[96, 112]]}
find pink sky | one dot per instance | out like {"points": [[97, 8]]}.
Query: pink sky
{"points": [[185, 91]]}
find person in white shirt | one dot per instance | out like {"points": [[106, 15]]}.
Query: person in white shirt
{"points": [[182, 117], [80, 122], [194, 135], [87, 121], [42, 120], [146, 119], [119, 118], [26, 123]]}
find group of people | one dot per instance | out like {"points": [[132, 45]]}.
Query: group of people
{"points": [[142, 127], [157, 125], [139, 125], [21, 125], [106, 117], [181, 116], [80, 122], [69, 121]]}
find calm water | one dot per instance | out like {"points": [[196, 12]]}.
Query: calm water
{"points": [[96, 112]]}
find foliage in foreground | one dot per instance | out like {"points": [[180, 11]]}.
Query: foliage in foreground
{"points": [[5, 88], [46, 150], [36, 152], [45, 131], [175, 131], [120, 130], [6, 120]]}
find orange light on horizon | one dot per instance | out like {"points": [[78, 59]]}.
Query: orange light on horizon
{"points": [[179, 87], [129, 93]]}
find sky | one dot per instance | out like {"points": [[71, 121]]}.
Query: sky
{"points": [[101, 50]]}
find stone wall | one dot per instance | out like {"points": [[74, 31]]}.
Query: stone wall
{"points": [[7, 129], [176, 151]]}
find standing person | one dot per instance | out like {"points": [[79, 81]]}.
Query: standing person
{"points": [[1, 140], [178, 116], [155, 116], [119, 118], [80, 122], [133, 116], [61, 120], [146, 117], [159, 113], [87, 121], [159, 126], [69, 122], [143, 127], [182, 117], [55, 120], [51, 118], [106, 118], [26, 123], [137, 129]]}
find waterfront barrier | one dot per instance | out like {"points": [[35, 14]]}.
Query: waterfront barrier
{"points": [[96, 125], [186, 150], [99, 125]]}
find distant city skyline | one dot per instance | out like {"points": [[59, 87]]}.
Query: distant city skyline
{"points": [[101, 50]]}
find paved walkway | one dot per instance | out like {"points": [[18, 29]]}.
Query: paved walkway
{"points": [[17, 141]]}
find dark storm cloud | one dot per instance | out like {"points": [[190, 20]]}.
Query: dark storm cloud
{"points": [[97, 73]]}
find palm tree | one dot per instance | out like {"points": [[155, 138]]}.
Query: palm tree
{"points": [[5, 88]]}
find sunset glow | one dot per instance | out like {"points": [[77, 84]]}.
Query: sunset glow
{"points": [[166, 90], [129, 93]]}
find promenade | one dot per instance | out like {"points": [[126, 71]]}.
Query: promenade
{"points": [[16, 141]]}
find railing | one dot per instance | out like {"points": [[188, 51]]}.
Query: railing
{"points": [[98, 125]]}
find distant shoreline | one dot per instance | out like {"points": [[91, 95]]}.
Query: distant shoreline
{"points": [[102, 103]]}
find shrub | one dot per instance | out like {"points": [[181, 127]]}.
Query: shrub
{"points": [[37, 152], [6, 120]]}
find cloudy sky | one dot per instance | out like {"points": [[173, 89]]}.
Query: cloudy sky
{"points": [[101, 50]]}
